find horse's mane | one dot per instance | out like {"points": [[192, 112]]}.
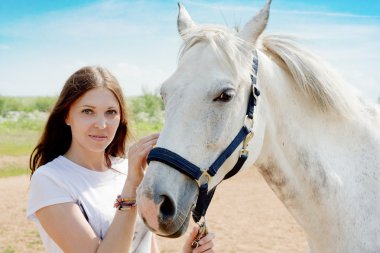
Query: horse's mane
{"points": [[312, 76]]}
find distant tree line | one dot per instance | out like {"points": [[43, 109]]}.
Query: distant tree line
{"points": [[149, 103], [25, 104]]}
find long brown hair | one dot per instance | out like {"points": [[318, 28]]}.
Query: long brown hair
{"points": [[56, 137]]}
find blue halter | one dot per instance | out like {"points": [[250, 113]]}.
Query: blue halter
{"points": [[202, 177]]}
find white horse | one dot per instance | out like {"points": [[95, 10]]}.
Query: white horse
{"points": [[316, 142]]}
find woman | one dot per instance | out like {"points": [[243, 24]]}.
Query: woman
{"points": [[78, 169]]}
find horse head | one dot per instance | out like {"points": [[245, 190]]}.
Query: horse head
{"points": [[206, 102]]}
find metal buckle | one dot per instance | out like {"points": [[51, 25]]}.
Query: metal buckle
{"points": [[202, 232], [204, 178], [244, 151], [248, 138]]}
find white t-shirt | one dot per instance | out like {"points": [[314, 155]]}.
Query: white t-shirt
{"points": [[62, 181]]}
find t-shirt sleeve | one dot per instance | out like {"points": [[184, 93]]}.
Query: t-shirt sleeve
{"points": [[45, 191]]}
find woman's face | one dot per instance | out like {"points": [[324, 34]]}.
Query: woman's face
{"points": [[94, 119]]}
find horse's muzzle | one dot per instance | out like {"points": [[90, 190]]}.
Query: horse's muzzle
{"points": [[165, 200]]}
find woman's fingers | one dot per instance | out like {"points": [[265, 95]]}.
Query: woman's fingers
{"points": [[208, 238], [187, 246], [137, 155], [149, 144], [205, 244], [144, 150], [192, 236], [144, 143], [140, 150], [148, 138]]}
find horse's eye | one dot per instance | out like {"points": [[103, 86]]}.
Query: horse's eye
{"points": [[225, 96]]}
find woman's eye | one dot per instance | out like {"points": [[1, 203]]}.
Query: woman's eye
{"points": [[112, 112], [225, 96], [87, 111]]}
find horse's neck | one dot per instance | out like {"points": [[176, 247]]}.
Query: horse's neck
{"points": [[307, 158]]}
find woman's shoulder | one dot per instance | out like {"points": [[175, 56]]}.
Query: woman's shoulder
{"points": [[51, 169], [47, 166]]}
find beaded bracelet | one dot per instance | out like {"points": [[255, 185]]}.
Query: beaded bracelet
{"points": [[124, 203]]}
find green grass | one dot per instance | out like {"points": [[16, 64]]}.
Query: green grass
{"points": [[15, 145], [35, 240], [13, 170], [9, 249], [16, 142], [146, 128]]}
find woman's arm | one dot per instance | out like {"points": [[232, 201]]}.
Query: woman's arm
{"points": [[66, 225]]}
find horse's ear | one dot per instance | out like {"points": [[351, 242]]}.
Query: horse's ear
{"points": [[184, 20], [256, 25]]}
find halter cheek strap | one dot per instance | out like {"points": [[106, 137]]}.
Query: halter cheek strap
{"points": [[202, 177]]}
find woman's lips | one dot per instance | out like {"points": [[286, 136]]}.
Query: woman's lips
{"points": [[98, 137]]}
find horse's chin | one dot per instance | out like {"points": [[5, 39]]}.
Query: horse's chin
{"points": [[179, 232], [182, 229]]}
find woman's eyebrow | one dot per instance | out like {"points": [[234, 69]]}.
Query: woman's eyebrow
{"points": [[91, 106]]}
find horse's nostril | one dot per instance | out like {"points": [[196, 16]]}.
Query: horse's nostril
{"points": [[167, 208]]}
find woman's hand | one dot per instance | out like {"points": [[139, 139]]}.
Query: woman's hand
{"points": [[205, 244], [137, 155]]}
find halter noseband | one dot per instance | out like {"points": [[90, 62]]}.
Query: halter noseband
{"points": [[202, 177]]}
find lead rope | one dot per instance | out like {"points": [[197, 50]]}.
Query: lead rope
{"points": [[202, 232]]}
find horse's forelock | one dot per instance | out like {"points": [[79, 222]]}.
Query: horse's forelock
{"points": [[233, 52]]}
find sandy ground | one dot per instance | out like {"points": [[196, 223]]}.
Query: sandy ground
{"points": [[245, 215]]}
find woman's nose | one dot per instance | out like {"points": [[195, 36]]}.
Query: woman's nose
{"points": [[101, 122]]}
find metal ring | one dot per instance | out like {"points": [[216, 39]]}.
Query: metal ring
{"points": [[203, 179]]}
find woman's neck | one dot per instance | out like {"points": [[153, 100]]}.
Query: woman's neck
{"points": [[90, 160]]}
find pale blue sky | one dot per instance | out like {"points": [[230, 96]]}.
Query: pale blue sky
{"points": [[43, 42]]}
